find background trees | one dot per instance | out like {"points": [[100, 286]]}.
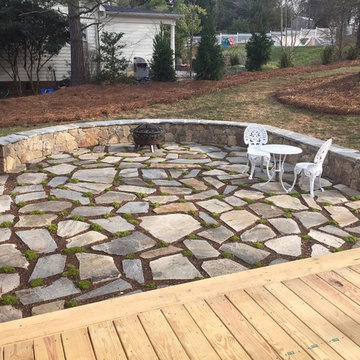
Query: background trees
{"points": [[30, 36]]}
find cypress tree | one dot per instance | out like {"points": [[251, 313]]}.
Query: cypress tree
{"points": [[209, 63], [162, 68]]}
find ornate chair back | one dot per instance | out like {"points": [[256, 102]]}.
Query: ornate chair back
{"points": [[322, 152], [255, 134]]}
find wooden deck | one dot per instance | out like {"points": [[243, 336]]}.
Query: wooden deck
{"points": [[307, 309]]}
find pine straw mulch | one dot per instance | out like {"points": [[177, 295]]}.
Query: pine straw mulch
{"points": [[93, 101], [338, 94]]}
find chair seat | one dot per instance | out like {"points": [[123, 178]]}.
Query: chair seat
{"points": [[255, 151]]}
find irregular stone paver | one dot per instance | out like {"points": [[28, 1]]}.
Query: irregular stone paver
{"points": [[229, 189], [47, 308], [104, 175], [5, 202], [85, 239], [346, 190], [174, 267], [8, 282], [249, 194], [70, 228], [207, 218], [219, 234], [169, 250], [11, 256], [175, 207], [311, 202], [285, 226], [238, 219], [133, 270], [154, 173], [354, 205], [245, 252], [287, 245], [87, 187], [58, 289], [169, 190], [4, 235], [6, 218], [134, 181], [266, 211], [166, 182], [287, 201], [30, 197], [330, 196], [258, 233], [214, 205], [171, 227], [9, 313], [48, 266], [114, 196], [355, 230], [38, 240], [58, 180], [214, 182], [31, 178], [201, 249], [117, 286], [278, 261], [222, 267], [310, 219], [162, 199], [129, 173], [318, 250], [326, 239], [194, 183], [48, 206], [88, 211], [271, 187], [334, 231], [97, 268], [61, 169], [126, 245], [114, 224], [28, 188], [35, 220], [70, 195], [136, 189], [137, 207], [234, 201], [201, 196], [342, 215]]}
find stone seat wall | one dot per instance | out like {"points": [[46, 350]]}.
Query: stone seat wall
{"points": [[342, 165]]}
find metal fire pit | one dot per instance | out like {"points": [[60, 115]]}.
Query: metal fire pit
{"points": [[148, 134]]}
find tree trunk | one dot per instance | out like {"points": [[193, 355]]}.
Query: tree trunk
{"points": [[358, 30], [76, 44]]}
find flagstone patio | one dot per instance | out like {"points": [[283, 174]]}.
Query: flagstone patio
{"points": [[107, 221]]}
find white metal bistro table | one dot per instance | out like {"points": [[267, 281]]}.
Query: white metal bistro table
{"points": [[279, 153]]}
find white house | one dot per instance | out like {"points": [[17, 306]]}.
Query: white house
{"points": [[138, 25]]}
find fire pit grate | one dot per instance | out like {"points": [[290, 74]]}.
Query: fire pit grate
{"points": [[148, 134]]}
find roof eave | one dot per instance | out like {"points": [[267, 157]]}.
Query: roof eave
{"points": [[146, 15]]}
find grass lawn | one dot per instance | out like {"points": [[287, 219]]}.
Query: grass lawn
{"points": [[305, 55]]}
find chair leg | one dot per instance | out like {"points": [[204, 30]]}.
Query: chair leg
{"points": [[267, 167], [247, 166], [312, 182], [252, 170], [321, 188]]}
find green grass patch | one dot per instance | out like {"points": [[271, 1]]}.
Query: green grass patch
{"points": [[234, 238], [87, 194], [126, 215], [226, 255], [30, 255], [121, 234], [351, 239], [150, 285], [262, 221], [288, 215], [108, 215], [7, 269], [238, 208], [130, 256], [83, 284], [306, 237], [248, 200], [257, 245], [37, 212], [96, 227], [257, 264], [116, 204], [9, 300], [21, 204], [63, 213], [181, 200], [133, 222], [77, 217], [332, 222], [52, 227], [215, 215], [74, 181], [187, 253], [74, 250], [191, 237], [266, 201], [210, 225], [6, 224], [161, 244], [54, 198], [36, 283], [71, 271], [71, 303]]}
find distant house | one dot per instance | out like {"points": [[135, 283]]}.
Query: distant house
{"points": [[138, 25]]}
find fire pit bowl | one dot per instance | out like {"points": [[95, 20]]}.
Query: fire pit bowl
{"points": [[148, 134]]}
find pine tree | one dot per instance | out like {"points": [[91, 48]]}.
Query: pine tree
{"points": [[258, 51], [162, 68], [209, 63]]}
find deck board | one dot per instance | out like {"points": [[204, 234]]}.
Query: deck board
{"points": [[301, 310]]}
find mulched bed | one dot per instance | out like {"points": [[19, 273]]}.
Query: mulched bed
{"points": [[334, 95], [92, 101]]}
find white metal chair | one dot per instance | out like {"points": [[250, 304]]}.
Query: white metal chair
{"points": [[255, 136], [313, 170]]}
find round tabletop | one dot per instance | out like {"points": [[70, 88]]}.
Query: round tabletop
{"points": [[280, 149]]}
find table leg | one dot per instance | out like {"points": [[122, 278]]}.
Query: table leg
{"points": [[281, 171]]}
